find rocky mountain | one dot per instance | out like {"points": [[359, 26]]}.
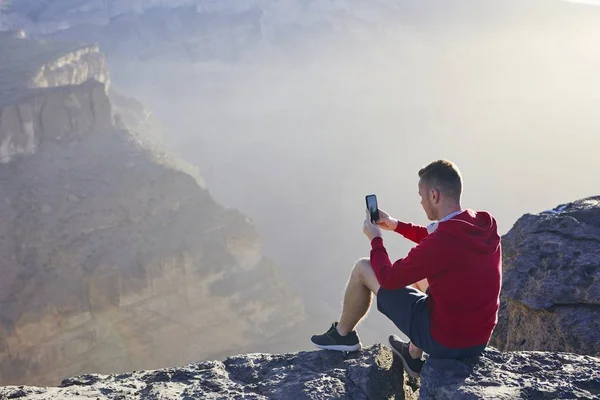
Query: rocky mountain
{"points": [[189, 29], [373, 373], [203, 30], [551, 289], [114, 255]]}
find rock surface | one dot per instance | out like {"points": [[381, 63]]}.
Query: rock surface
{"points": [[512, 375], [114, 257], [550, 296], [370, 374], [39, 63]]}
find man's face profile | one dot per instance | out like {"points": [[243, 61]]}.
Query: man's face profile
{"points": [[426, 201]]}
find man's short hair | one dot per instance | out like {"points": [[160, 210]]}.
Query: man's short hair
{"points": [[444, 176]]}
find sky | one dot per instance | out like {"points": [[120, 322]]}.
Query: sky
{"points": [[591, 2]]}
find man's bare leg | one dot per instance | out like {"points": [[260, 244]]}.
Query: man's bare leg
{"points": [[357, 299]]}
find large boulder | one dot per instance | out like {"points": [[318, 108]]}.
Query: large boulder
{"points": [[551, 285], [512, 375], [373, 373]]}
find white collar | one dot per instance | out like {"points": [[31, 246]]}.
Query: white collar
{"points": [[434, 225]]}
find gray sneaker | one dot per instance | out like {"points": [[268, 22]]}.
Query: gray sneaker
{"points": [[412, 366], [332, 340]]}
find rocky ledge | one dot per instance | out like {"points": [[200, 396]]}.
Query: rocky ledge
{"points": [[373, 373]]}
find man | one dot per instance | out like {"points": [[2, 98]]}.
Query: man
{"points": [[459, 256]]}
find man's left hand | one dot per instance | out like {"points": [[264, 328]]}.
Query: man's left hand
{"points": [[370, 229]]}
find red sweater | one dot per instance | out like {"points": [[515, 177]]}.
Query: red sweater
{"points": [[462, 261]]}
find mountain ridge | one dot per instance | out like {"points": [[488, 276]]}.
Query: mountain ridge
{"points": [[114, 255]]}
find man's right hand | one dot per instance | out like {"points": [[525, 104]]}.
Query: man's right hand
{"points": [[386, 222]]}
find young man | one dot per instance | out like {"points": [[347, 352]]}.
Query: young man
{"points": [[459, 256]]}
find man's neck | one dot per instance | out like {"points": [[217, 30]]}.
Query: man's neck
{"points": [[449, 209]]}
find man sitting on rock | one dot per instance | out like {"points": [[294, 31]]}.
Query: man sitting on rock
{"points": [[458, 258]]}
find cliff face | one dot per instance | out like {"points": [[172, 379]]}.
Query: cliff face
{"points": [[113, 257], [31, 64], [77, 104], [551, 289]]}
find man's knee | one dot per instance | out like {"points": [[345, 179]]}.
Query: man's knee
{"points": [[364, 272], [361, 267]]}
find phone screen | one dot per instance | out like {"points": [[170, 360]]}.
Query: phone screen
{"points": [[372, 207]]}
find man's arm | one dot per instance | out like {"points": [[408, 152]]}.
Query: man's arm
{"points": [[425, 259], [416, 233]]}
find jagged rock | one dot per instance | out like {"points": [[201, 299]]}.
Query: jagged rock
{"points": [[372, 373], [550, 296], [49, 91], [512, 375], [41, 63]]}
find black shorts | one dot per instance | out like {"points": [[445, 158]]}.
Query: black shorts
{"points": [[407, 308]]}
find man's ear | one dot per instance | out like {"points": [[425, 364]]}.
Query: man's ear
{"points": [[435, 196]]}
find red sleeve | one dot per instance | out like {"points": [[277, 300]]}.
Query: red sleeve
{"points": [[416, 233], [425, 259]]}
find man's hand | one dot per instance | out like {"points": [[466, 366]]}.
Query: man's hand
{"points": [[386, 222], [370, 229]]}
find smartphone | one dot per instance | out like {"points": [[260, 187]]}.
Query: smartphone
{"points": [[371, 200]]}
